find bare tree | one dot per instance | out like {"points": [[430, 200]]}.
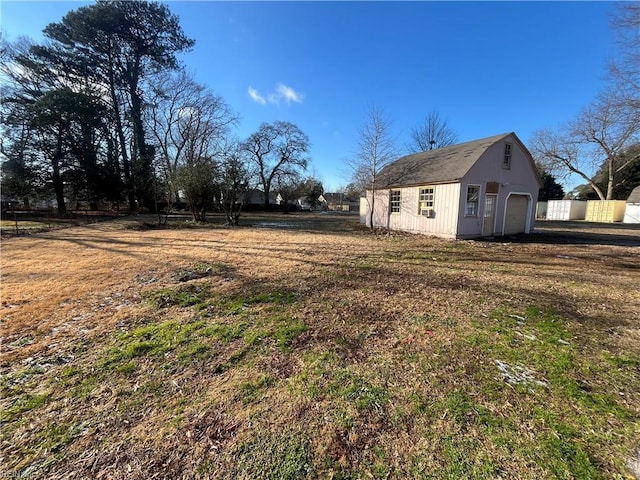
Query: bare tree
{"points": [[434, 132], [375, 149], [233, 183], [626, 68], [598, 136], [277, 150], [187, 121], [289, 187]]}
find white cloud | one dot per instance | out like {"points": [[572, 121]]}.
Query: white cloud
{"points": [[282, 93], [255, 96], [288, 94]]}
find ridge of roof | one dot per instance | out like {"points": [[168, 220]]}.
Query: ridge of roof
{"points": [[436, 166]]}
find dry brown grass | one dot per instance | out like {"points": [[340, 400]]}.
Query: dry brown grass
{"points": [[318, 351]]}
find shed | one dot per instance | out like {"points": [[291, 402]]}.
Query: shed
{"points": [[541, 209], [481, 188], [566, 210], [606, 211], [632, 209]]}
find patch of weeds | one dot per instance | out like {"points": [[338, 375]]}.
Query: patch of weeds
{"points": [[287, 332], [622, 361], [463, 409], [202, 270], [85, 386], [234, 359], [57, 435], [251, 392], [22, 404], [182, 296], [317, 366], [21, 342], [422, 319], [561, 451], [224, 332], [254, 337], [354, 388], [69, 371], [157, 339], [137, 349], [343, 419], [380, 464], [128, 368], [195, 352], [464, 458], [277, 297], [273, 456]]}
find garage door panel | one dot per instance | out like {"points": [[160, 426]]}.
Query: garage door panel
{"points": [[516, 215]]}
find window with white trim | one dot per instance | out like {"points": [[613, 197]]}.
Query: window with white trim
{"points": [[506, 162], [394, 202], [426, 200], [473, 198]]}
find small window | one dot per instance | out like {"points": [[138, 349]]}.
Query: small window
{"points": [[473, 196], [426, 201], [394, 204], [506, 162]]}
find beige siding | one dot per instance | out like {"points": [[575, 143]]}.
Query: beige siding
{"points": [[442, 224], [605, 210]]}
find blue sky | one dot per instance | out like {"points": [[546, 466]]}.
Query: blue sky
{"points": [[486, 67]]}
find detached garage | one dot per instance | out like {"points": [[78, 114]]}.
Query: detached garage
{"points": [[483, 188]]}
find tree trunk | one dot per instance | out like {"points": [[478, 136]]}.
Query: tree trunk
{"points": [[610, 182], [372, 206], [126, 166], [58, 185]]}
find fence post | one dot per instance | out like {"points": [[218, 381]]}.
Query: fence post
{"points": [[15, 219]]}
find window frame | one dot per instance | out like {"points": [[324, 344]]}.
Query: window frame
{"points": [[395, 206], [467, 203], [506, 160], [425, 201]]}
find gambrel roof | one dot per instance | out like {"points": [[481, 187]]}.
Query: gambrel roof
{"points": [[448, 164], [634, 197]]}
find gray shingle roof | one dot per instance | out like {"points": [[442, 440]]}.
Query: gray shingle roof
{"points": [[447, 164], [635, 195]]}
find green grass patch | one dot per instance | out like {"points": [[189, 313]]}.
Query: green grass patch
{"points": [[182, 296], [251, 392], [276, 297], [22, 404], [287, 331], [274, 456], [355, 389]]}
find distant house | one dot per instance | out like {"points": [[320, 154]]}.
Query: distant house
{"points": [[255, 197], [632, 211], [339, 202], [480, 188]]}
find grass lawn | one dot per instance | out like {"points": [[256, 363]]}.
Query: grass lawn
{"points": [[303, 346]]}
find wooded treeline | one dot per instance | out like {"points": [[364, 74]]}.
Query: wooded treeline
{"points": [[104, 113]]}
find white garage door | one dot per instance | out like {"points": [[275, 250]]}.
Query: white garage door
{"points": [[516, 218]]}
